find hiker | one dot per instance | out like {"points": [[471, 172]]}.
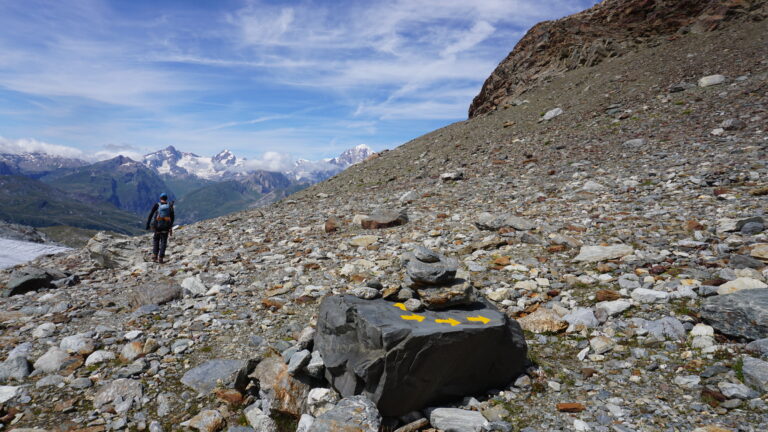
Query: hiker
{"points": [[162, 225]]}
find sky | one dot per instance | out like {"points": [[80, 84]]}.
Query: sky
{"points": [[93, 78]]}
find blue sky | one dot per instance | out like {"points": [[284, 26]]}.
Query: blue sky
{"points": [[93, 78]]}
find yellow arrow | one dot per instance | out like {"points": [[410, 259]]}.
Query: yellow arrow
{"points": [[412, 317], [399, 305], [479, 318], [450, 321]]}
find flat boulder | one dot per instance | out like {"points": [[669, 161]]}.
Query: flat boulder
{"points": [[491, 222], [602, 253], [218, 373], [405, 361], [155, 293], [113, 250], [385, 219], [31, 279], [743, 314]]}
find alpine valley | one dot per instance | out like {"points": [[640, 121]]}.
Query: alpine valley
{"points": [[115, 194]]}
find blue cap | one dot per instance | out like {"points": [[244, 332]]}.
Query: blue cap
{"points": [[163, 196]]}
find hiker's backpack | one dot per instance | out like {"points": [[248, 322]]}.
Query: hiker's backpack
{"points": [[163, 218]]}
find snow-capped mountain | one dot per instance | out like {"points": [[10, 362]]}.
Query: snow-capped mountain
{"points": [[174, 163], [225, 165], [352, 156], [316, 171], [35, 164]]}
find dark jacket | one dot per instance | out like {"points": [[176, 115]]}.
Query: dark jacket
{"points": [[154, 210]]}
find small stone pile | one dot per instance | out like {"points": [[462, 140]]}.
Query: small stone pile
{"points": [[433, 277]]}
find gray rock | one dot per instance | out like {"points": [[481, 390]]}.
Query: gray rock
{"points": [[488, 221], [123, 389], [298, 361], [219, 373], [425, 255], [743, 261], [315, 367], [155, 293], [549, 115], [456, 420], [305, 423], [736, 390], [385, 219], [364, 292], [259, 420], [50, 381], [402, 366], [752, 228], [741, 314], [733, 124], [581, 318], [759, 346], [355, 413], [81, 383], [662, 329], [52, 360], [16, 368], [438, 273], [113, 251], [756, 373]]}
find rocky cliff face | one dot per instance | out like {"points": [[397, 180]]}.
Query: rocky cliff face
{"points": [[609, 29]]}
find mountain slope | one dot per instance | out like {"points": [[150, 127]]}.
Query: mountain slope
{"points": [[214, 200], [35, 164], [610, 29], [126, 184], [30, 202]]}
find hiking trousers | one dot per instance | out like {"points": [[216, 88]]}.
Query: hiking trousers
{"points": [[159, 242]]}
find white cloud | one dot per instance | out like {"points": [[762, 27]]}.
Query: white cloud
{"points": [[270, 161], [31, 145]]}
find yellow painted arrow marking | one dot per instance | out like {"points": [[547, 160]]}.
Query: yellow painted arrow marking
{"points": [[412, 317], [479, 318], [450, 321], [399, 305]]}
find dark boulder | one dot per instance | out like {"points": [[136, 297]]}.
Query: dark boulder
{"points": [[384, 219], [155, 293], [31, 279], [743, 314], [404, 361]]}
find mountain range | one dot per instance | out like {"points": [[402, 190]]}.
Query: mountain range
{"points": [[124, 189]]}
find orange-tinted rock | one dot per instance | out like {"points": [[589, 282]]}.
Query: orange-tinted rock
{"points": [[607, 295], [570, 407]]}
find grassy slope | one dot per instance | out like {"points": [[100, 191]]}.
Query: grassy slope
{"points": [[31, 202]]}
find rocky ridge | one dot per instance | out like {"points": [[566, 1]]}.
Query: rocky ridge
{"points": [[653, 177], [612, 28]]}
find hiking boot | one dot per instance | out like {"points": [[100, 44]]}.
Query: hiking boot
{"points": [[160, 260], [154, 258]]}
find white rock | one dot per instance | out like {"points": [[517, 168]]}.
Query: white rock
{"points": [[259, 420], [739, 284], [552, 114], [195, 285], [711, 80], [601, 344], [52, 360], [456, 420], [614, 307], [602, 253], [409, 196], [702, 330], [8, 392], [44, 330], [644, 295], [99, 356], [305, 423], [592, 186], [687, 381], [581, 425], [321, 400]]}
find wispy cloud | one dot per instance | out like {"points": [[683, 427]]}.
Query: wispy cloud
{"points": [[303, 76], [29, 145]]}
